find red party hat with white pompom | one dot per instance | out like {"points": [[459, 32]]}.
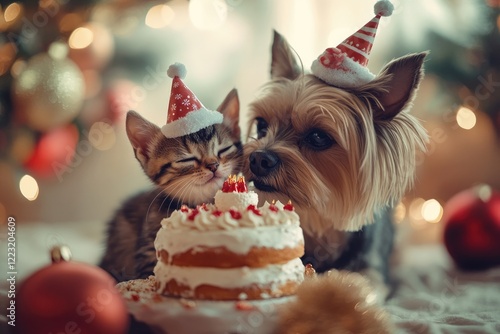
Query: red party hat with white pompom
{"points": [[345, 65], [186, 114]]}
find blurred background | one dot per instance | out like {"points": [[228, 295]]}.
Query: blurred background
{"points": [[69, 71]]}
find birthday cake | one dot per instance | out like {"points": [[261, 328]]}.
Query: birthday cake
{"points": [[230, 250]]}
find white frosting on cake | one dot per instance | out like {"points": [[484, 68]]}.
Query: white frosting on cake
{"points": [[238, 241], [207, 218], [225, 201], [193, 277]]}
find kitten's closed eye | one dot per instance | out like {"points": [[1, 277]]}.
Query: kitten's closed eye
{"points": [[226, 151], [190, 159], [188, 162]]}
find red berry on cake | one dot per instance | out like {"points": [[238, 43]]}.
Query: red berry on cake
{"points": [[204, 207], [289, 206], [254, 209], [273, 207], [193, 214], [235, 214]]}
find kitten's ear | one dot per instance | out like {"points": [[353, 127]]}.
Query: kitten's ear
{"points": [[140, 132], [284, 63], [402, 77], [230, 108]]}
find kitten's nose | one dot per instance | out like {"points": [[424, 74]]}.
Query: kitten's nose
{"points": [[263, 162], [213, 166]]}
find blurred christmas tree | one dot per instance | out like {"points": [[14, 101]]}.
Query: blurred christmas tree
{"points": [[459, 101], [471, 73], [56, 82], [464, 40]]}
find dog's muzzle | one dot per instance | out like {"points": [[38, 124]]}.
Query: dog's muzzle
{"points": [[263, 162]]}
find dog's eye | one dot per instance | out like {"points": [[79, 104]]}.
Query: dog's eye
{"points": [[318, 140], [261, 127]]}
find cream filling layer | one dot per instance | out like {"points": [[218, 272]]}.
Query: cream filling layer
{"points": [[238, 241], [192, 277]]}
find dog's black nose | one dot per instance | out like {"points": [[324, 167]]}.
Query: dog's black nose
{"points": [[263, 162]]}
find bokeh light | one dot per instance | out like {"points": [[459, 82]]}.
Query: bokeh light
{"points": [[81, 38], [466, 118], [29, 187], [12, 12], [484, 192], [432, 211], [159, 16]]}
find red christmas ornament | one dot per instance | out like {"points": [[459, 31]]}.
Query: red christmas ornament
{"points": [[472, 228], [54, 151], [69, 297]]}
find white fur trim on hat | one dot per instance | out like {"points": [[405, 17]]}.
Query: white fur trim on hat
{"points": [[349, 75], [193, 122]]}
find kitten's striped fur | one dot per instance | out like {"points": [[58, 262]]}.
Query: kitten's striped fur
{"points": [[184, 170]]}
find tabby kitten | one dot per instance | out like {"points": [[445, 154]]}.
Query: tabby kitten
{"points": [[185, 170]]}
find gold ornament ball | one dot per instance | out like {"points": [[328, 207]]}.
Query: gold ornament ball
{"points": [[49, 92]]}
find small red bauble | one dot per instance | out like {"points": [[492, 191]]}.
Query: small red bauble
{"points": [[53, 154], [472, 228], [70, 297]]}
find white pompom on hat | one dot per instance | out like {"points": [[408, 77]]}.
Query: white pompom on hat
{"points": [[186, 114], [345, 65]]}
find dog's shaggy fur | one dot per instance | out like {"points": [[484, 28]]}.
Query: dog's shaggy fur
{"points": [[343, 156]]}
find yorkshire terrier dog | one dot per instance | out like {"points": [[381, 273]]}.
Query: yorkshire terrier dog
{"points": [[342, 151]]}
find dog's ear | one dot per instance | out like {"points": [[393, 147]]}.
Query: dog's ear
{"points": [[401, 78], [284, 63]]}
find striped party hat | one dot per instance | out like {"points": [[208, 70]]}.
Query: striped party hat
{"points": [[345, 65]]}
